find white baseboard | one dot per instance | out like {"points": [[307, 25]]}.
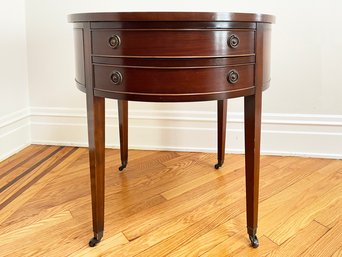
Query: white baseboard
{"points": [[14, 133], [282, 134]]}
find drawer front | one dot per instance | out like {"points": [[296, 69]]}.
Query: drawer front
{"points": [[173, 81], [173, 43]]}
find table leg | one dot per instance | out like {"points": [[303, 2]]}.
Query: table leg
{"points": [[96, 137], [221, 131], [252, 161], [123, 128]]}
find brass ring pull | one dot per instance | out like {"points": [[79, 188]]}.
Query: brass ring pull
{"points": [[116, 77], [233, 41], [233, 76], [114, 41]]}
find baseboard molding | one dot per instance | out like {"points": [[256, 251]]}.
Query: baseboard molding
{"points": [[14, 133], [282, 134]]}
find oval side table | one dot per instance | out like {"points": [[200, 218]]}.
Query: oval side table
{"points": [[172, 57]]}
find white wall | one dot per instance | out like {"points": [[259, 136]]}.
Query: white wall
{"points": [[302, 108], [14, 100]]}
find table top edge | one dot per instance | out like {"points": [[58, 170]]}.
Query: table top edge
{"points": [[171, 16]]}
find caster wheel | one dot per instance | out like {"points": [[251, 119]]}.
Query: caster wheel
{"points": [[94, 241], [123, 166], [218, 165], [254, 241]]}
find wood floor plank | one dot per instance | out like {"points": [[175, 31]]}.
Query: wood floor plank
{"points": [[15, 202], [185, 159], [295, 171], [19, 158], [127, 197], [338, 253], [121, 186], [332, 213], [298, 219], [106, 246], [9, 241], [328, 244], [212, 191], [63, 243], [169, 204], [164, 227], [24, 177], [151, 160], [176, 191], [176, 224], [280, 199], [36, 207], [305, 194], [28, 217], [300, 242], [269, 172], [267, 247], [25, 166], [228, 246], [124, 200], [13, 188], [204, 243], [185, 236]]}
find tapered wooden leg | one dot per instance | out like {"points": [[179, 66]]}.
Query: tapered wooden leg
{"points": [[123, 128], [252, 162], [96, 137], [221, 131]]}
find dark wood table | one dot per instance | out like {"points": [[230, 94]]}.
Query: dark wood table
{"points": [[172, 57]]}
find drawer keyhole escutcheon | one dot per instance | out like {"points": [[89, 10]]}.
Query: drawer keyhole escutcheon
{"points": [[114, 41], [233, 76], [233, 41], [116, 77]]}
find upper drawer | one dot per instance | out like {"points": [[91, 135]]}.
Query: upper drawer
{"points": [[173, 43]]}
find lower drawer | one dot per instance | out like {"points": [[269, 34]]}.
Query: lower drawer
{"points": [[153, 80]]}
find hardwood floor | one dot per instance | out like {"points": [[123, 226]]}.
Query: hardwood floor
{"points": [[167, 204]]}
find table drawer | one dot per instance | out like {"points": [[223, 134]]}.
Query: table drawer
{"points": [[173, 43], [173, 81]]}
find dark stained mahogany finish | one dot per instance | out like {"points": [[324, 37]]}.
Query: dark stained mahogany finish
{"points": [[172, 57], [156, 43], [173, 81], [221, 131], [171, 16], [123, 129]]}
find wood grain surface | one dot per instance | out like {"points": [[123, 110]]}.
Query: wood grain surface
{"points": [[168, 204], [196, 43], [171, 16]]}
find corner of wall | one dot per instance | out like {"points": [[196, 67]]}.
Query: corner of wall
{"points": [[15, 133]]}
